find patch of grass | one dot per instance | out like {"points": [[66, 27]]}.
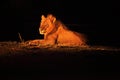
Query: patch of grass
{"points": [[13, 48], [28, 59]]}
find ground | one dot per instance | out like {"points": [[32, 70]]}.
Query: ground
{"points": [[56, 62]]}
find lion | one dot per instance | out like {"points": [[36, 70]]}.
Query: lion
{"points": [[55, 32]]}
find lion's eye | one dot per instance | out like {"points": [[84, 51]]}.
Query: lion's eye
{"points": [[44, 27]]}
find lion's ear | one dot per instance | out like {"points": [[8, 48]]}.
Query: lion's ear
{"points": [[54, 19], [43, 17], [51, 18]]}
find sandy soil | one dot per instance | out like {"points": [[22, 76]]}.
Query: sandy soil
{"points": [[12, 48], [58, 62]]}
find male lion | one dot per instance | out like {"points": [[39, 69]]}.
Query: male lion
{"points": [[55, 32]]}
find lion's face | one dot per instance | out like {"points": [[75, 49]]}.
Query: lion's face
{"points": [[47, 24]]}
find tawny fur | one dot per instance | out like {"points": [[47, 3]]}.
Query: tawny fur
{"points": [[55, 32]]}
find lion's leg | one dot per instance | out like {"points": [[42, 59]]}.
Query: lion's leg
{"points": [[41, 42], [66, 44], [71, 44], [35, 42]]}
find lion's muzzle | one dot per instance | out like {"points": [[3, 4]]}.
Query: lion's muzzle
{"points": [[42, 31]]}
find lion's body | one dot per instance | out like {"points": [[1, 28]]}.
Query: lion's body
{"points": [[57, 33]]}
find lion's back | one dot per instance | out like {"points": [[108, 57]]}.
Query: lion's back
{"points": [[66, 36]]}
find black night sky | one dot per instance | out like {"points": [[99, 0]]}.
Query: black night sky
{"points": [[99, 20]]}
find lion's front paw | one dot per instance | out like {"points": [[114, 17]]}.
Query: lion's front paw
{"points": [[34, 42]]}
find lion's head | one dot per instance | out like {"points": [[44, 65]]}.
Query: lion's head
{"points": [[47, 24]]}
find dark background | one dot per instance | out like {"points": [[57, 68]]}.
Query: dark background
{"points": [[99, 20]]}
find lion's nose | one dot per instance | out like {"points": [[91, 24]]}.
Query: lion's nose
{"points": [[42, 31]]}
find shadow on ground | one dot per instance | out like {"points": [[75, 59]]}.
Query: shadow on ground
{"points": [[20, 61]]}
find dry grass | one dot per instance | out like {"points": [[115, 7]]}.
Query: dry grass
{"points": [[13, 48], [34, 60]]}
